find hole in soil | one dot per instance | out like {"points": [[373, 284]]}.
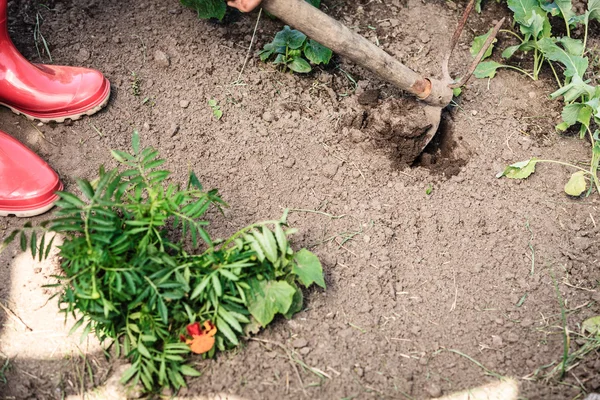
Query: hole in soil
{"points": [[440, 155]]}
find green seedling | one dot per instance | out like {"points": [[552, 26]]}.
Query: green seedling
{"points": [[135, 84], [139, 267], [216, 109], [3, 369], [292, 49], [39, 37], [429, 190]]}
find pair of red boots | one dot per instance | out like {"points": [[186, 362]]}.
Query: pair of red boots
{"points": [[45, 93]]}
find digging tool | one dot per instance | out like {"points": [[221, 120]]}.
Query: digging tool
{"points": [[437, 94]]}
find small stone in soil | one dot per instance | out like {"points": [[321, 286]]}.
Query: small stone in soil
{"points": [[433, 390], [268, 116], [162, 59], [82, 56], [330, 170], [415, 329], [369, 97], [299, 343], [173, 130], [497, 341], [305, 350], [289, 163], [184, 103]]}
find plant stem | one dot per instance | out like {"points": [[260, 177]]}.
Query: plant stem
{"points": [[512, 33], [535, 65], [566, 340], [555, 74], [564, 164], [585, 36], [520, 70]]}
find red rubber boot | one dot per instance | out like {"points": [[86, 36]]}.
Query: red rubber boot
{"points": [[27, 183], [47, 92]]}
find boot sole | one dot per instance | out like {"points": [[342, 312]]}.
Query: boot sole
{"points": [[61, 119], [27, 213]]}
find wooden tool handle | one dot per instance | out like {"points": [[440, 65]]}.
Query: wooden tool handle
{"points": [[333, 34]]}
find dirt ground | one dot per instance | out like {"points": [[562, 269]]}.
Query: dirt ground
{"points": [[413, 278]]}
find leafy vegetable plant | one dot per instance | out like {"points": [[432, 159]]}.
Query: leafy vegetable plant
{"points": [[292, 48], [141, 272], [566, 54]]}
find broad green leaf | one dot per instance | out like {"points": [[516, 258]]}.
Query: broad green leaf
{"points": [[487, 69], [290, 38], [592, 326], [570, 113], [572, 46], [593, 10], [297, 303], [574, 90], [576, 185], [267, 298], [456, 92], [308, 268], [207, 8], [575, 65], [521, 9], [478, 43], [299, 65], [317, 53], [535, 24], [280, 59], [566, 10], [314, 3], [510, 51], [520, 170]]}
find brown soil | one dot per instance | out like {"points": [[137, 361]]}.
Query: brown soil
{"points": [[410, 275]]}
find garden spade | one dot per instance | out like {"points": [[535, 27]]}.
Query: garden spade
{"points": [[436, 94]]}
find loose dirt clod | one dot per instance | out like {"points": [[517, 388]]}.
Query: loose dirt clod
{"points": [[400, 125]]}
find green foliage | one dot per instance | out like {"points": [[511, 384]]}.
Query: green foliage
{"points": [[582, 100], [139, 266], [478, 44], [216, 109], [291, 49], [207, 8]]}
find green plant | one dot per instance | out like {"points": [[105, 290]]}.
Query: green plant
{"points": [[135, 84], [207, 8], [216, 109], [292, 48], [5, 367], [582, 100], [134, 275]]}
